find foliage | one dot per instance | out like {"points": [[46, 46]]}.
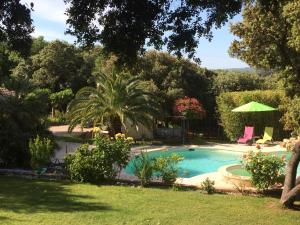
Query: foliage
{"points": [[118, 100], [20, 79], [85, 165], [41, 150], [8, 60], [233, 123], [143, 168], [291, 116], [191, 108], [172, 78], [61, 99], [20, 119], [166, 167], [126, 26], [37, 45], [39, 98], [208, 186], [16, 25], [57, 67], [266, 170], [269, 38], [101, 162], [236, 81]]}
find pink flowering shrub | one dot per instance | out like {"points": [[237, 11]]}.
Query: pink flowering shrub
{"points": [[191, 108], [266, 169]]}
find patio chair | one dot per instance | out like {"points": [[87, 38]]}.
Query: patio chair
{"points": [[268, 136], [248, 135]]}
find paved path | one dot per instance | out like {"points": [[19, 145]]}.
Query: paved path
{"points": [[62, 130]]}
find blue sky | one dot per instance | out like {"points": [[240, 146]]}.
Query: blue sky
{"points": [[50, 22]]}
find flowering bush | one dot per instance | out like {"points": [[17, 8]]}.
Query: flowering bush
{"points": [[266, 169], [103, 161], [96, 132], [189, 107]]}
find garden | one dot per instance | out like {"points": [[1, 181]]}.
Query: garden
{"points": [[109, 131]]}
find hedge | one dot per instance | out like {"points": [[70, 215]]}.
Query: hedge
{"points": [[233, 123]]}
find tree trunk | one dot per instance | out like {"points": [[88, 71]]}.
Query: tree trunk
{"points": [[52, 112], [291, 189], [116, 126]]}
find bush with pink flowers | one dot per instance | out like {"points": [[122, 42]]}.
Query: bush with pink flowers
{"points": [[191, 108], [266, 169]]}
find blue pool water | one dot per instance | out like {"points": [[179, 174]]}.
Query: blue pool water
{"points": [[196, 162], [199, 161]]}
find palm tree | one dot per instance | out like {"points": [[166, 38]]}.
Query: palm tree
{"points": [[117, 100]]}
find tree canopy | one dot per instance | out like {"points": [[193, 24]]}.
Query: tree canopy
{"points": [[124, 27], [227, 81], [16, 25], [174, 78], [57, 67], [269, 38]]}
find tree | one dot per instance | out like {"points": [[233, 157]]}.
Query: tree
{"points": [[16, 25], [37, 45], [8, 60], [236, 81], [60, 100], [57, 67], [118, 100], [21, 119], [175, 78], [291, 188], [269, 38], [124, 27]]}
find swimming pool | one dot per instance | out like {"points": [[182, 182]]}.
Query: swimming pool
{"points": [[199, 161], [196, 162]]}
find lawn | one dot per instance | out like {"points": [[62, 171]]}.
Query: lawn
{"points": [[25, 201]]}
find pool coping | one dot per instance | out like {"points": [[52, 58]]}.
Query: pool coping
{"points": [[221, 183]]}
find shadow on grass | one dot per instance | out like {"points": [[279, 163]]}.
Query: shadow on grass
{"points": [[30, 196]]}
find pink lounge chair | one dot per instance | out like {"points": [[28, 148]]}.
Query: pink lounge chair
{"points": [[248, 135]]}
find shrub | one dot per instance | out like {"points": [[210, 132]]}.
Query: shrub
{"points": [[234, 123], [166, 167], [191, 108], [102, 162], [41, 150], [85, 165], [143, 168], [208, 186], [291, 116], [21, 119], [266, 170]]}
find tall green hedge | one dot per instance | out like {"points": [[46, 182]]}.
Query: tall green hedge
{"points": [[233, 123]]}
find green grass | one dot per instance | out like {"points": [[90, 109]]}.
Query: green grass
{"points": [[240, 172], [24, 201]]}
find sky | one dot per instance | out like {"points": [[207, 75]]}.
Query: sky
{"points": [[49, 21]]}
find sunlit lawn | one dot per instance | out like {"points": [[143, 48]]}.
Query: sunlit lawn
{"points": [[24, 201]]}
